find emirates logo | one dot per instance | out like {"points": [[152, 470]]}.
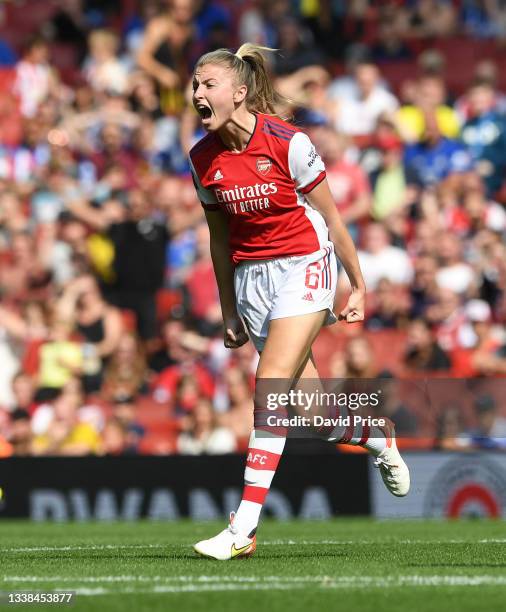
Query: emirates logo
{"points": [[264, 165]]}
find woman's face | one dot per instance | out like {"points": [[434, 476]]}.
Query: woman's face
{"points": [[89, 292], [237, 386], [216, 95], [358, 355], [203, 414], [127, 349]]}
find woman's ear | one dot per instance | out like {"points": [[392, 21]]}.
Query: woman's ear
{"points": [[240, 94]]}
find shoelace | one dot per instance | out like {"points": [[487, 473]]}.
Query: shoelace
{"points": [[231, 528], [382, 462]]}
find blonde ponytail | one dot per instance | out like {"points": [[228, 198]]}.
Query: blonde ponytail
{"points": [[249, 66]]}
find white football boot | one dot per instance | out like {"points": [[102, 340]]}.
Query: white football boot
{"points": [[228, 544], [393, 469]]}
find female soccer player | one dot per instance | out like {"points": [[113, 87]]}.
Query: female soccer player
{"points": [[275, 234]]}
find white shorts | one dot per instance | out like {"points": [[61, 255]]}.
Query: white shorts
{"points": [[285, 287]]}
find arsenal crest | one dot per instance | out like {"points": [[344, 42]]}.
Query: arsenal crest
{"points": [[264, 165]]}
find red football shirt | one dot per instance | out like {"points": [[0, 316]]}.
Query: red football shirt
{"points": [[261, 190]]}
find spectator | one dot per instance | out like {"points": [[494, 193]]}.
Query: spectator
{"points": [[258, 22], [389, 307], [139, 246], [201, 286], [489, 261], [8, 57], [297, 49], [389, 45], [480, 343], [429, 104], [430, 18], [190, 371], [21, 437], [358, 117], [66, 435], [424, 289], [435, 158], [10, 362], [213, 21], [203, 436], [490, 432], [390, 193], [379, 259], [239, 416], [347, 181], [486, 73], [181, 248], [172, 350], [126, 371], [448, 316], [395, 406], [102, 68], [484, 135], [24, 275], [359, 359], [67, 26], [70, 251], [453, 273], [12, 218], [423, 352], [35, 79], [450, 435], [72, 395], [125, 414], [187, 393], [115, 154], [99, 324], [163, 53], [23, 387], [114, 438], [60, 358], [484, 19]]}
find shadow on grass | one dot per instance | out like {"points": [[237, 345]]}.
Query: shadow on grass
{"points": [[450, 564]]}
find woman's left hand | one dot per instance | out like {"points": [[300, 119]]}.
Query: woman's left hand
{"points": [[234, 333], [354, 309]]}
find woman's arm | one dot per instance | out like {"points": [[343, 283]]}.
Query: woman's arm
{"points": [[321, 199], [156, 32], [113, 328], [234, 333]]}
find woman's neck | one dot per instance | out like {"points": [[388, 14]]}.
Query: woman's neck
{"points": [[237, 132]]}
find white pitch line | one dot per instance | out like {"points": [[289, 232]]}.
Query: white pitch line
{"points": [[181, 578], [260, 543], [84, 547], [295, 582], [325, 581], [381, 542]]}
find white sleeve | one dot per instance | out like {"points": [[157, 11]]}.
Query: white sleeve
{"points": [[306, 166], [206, 196]]}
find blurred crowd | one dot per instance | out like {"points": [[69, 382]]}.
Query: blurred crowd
{"points": [[110, 324]]}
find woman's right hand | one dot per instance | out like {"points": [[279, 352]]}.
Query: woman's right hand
{"points": [[168, 78], [234, 333]]}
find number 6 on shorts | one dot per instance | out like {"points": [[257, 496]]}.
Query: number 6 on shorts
{"points": [[313, 275]]}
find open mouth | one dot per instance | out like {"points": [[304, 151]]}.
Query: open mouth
{"points": [[204, 111]]}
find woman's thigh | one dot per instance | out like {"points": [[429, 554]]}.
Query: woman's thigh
{"points": [[288, 345]]}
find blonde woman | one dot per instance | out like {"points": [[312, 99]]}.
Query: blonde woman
{"points": [[275, 234]]}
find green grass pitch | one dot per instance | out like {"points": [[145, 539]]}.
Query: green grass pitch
{"points": [[344, 564]]}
